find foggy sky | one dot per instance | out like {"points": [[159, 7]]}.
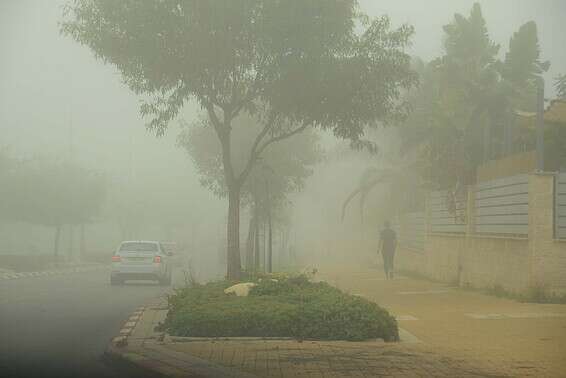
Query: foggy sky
{"points": [[56, 99]]}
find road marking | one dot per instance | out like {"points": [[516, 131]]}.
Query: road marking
{"points": [[524, 315], [405, 317], [407, 337], [425, 292]]}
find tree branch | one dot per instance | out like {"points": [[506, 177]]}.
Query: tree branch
{"points": [[254, 154], [223, 132], [249, 96], [281, 137]]}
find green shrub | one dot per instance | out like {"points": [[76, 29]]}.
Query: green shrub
{"points": [[292, 307]]}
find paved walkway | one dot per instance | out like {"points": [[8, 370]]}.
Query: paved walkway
{"points": [[454, 333], [516, 339]]}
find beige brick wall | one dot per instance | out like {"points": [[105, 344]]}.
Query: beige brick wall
{"points": [[489, 262], [483, 262], [475, 261], [547, 257]]}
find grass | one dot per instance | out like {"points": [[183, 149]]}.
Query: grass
{"points": [[289, 307]]}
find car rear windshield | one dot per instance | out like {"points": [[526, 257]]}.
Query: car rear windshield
{"points": [[139, 247]]}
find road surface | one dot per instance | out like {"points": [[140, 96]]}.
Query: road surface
{"points": [[59, 326]]}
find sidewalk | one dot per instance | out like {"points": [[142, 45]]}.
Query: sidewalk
{"points": [[454, 333], [252, 357], [517, 339]]}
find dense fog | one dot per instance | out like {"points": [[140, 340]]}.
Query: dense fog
{"points": [[59, 103]]}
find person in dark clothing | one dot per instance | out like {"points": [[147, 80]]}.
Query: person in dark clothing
{"points": [[387, 245]]}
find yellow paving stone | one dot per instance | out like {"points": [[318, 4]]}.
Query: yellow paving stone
{"points": [[454, 345]]}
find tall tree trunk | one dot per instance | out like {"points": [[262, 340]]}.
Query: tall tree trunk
{"points": [[56, 241], [269, 243], [234, 268], [250, 264], [269, 264], [256, 239]]}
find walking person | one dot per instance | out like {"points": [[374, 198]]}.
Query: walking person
{"points": [[387, 245]]}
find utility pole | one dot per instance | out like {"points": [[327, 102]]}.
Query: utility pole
{"points": [[540, 125], [72, 194]]}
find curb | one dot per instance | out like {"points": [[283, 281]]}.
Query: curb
{"points": [[149, 358], [122, 339]]}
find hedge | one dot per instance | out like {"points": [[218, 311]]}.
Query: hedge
{"points": [[293, 307]]}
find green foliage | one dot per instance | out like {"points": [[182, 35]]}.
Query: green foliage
{"points": [[292, 307], [560, 86], [467, 96], [286, 165], [51, 193], [304, 60], [554, 142], [522, 61]]}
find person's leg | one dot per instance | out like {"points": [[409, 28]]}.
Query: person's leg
{"points": [[391, 264], [387, 264], [388, 257]]}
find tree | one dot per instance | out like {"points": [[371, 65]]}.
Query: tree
{"points": [[52, 194], [292, 64], [560, 86], [282, 170], [467, 98], [522, 65]]}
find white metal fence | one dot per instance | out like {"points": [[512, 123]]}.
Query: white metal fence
{"points": [[560, 206], [502, 206], [447, 213]]}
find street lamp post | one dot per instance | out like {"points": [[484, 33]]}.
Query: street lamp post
{"points": [[540, 126]]}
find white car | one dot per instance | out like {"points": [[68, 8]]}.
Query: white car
{"points": [[141, 260]]}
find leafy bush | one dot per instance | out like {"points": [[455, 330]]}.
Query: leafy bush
{"points": [[292, 307]]}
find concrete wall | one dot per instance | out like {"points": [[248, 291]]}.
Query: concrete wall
{"points": [[489, 262], [547, 256], [515, 264]]}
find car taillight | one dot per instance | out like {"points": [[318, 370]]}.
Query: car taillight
{"points": [[157, 259], [116, 259]]}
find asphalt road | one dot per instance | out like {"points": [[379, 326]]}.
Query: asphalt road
{"points": [[59, 326]]}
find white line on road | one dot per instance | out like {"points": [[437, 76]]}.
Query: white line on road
{"points": [[405, 317], [442, 291], [524, 315]]}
